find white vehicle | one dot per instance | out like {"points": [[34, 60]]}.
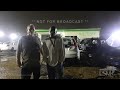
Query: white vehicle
{"points": [[8, 46], [12, 45], [70, 48], [3, 46]]}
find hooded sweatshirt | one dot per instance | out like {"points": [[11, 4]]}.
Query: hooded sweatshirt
{"points": [[53, 51]]}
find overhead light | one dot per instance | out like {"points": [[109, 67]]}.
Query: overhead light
{"points": [[13, 36], [114, 39]]}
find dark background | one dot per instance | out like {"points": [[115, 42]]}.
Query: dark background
{"points": [[16, 21]]}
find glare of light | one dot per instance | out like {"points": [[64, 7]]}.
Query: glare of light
{"points": [[1, 34], [116, 35], [114, 39], [13, 36], [3, 47]]}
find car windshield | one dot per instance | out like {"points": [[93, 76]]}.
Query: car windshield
{"points": [[68, 42], [89, 41], [84, 41]]}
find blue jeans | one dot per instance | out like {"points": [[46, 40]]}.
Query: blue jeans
{"points": [[55, 72]]}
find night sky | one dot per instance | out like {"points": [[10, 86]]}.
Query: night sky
{"points": [[16, 21]]}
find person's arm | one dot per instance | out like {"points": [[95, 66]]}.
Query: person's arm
{"points": [[40, 46], [18, 54], [45, 52], [41, 51], [62, 51]]}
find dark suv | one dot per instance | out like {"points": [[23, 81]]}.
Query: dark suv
{"points": [[90, 51]]}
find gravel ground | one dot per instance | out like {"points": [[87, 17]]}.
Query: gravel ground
{"points": [[9, 69]]}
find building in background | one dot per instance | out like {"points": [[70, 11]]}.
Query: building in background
{"points": [[80, 33]]}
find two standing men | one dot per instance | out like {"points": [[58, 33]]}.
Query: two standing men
{"points": [[53, 51]]}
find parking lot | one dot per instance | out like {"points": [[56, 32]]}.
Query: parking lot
{"points": [[9, 70], [73, 68]]}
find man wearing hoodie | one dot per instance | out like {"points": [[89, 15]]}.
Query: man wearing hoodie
{"points": [[54, 54]]}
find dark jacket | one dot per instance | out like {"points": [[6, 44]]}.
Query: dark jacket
{"points": [[29, 48]]}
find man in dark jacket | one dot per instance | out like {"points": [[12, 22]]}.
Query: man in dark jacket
{"points": [[29, 48]]}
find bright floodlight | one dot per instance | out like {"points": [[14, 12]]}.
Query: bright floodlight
{"points": [[114, 39], [116, 35], [1, 34], [13, 36]]}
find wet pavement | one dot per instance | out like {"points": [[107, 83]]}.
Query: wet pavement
{"points": [[9, 70]]}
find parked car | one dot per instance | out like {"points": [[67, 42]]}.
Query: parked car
{"points": [[90, 51], [70, 48]]}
